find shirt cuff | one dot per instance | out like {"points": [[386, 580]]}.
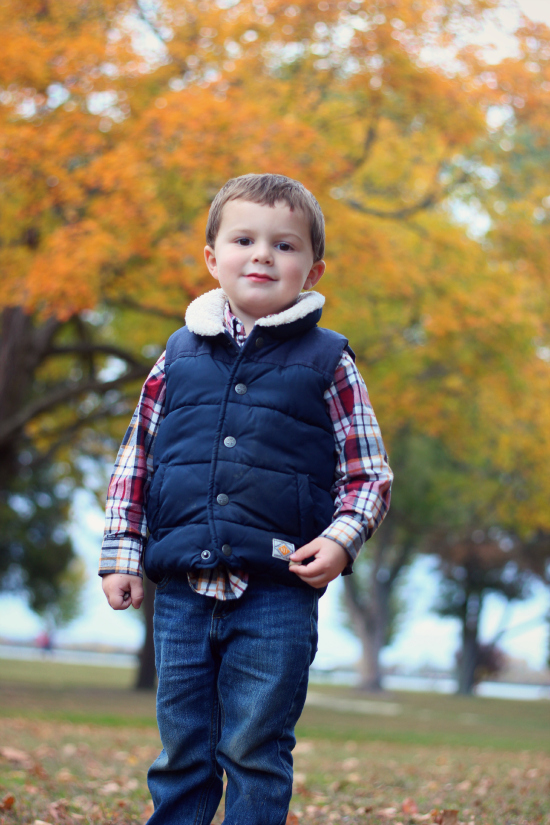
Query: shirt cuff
{"points": [[120, 555], [349, 533]]}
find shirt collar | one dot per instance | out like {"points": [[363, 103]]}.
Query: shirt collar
{"points": [[233, 325]]}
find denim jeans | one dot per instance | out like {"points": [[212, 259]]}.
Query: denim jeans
{"points": [[232, 684]]}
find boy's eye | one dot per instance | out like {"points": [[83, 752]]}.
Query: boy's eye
{"points": [[285, 247], [244, 241]]}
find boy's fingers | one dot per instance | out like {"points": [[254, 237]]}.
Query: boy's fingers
{"points": [[314, 579], [137, 595], [122, 591], [304, 552]]}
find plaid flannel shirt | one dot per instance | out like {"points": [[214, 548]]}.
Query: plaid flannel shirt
{"points": [[361, 487]]}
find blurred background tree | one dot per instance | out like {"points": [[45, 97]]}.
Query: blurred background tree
{"points": [[429, 155]]}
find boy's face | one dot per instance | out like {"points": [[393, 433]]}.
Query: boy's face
{"points": [[262, 258]]}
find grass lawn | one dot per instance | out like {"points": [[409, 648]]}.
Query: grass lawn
{"points": [[75, 743]]}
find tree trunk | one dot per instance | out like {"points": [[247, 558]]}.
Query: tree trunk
{"points": [[147, 674], [470, 644], [368, 603], [22, 349], [15, 381], [369, 618]]}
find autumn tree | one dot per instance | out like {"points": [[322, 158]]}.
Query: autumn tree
{"points": [[120, 120], [473, 565], [424, 498]]}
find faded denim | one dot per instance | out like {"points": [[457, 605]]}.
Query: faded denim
{"points": [[232, 684]]}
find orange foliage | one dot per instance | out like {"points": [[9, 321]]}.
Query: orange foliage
{"points": [[119, 123]]}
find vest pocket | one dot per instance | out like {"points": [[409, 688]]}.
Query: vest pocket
{"points": [[306, 508], [153, 499]]}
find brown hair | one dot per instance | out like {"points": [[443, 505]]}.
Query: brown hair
{"points": [[267, 190]]}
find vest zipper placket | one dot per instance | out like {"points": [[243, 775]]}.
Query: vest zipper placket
{"points": [[241, 352]]}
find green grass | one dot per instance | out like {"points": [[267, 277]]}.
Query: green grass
{"points": [[50, 674], [438, 719], [76, 741], [102, 695]]}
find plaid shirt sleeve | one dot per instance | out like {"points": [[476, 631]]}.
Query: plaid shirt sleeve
{"points": [[363, 477], [125, 522]]}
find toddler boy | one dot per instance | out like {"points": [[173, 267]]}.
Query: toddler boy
{"points": [[251, 473]]}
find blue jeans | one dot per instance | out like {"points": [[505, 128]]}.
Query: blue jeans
{"points": [[232, 684]]}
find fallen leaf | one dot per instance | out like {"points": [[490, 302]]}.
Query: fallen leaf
{"points": [[464, 786], [58, 810], [64, 775], [445, 817], [7, 802], [15, 755], [41, 822], [483, 787], [389, 813], [409, 806], [110, 787], [292, 819]]}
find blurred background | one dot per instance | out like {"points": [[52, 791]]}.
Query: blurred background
{"points": [[422, 127]]}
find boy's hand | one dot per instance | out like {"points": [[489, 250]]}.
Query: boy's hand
{"points": [[330, 560], [123, 590]]}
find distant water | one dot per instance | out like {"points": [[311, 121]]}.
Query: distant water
{"points": [[497, 690], [425, 684], [68, 657]]}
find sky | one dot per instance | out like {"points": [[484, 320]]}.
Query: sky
{"points": [[422, 638]]}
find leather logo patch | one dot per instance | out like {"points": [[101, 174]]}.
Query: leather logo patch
{"points": [[282, 549]]}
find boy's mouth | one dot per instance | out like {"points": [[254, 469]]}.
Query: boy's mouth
{"points": [[259, 277]]}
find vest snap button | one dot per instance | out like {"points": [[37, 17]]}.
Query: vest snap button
{"points": [[222, 499], [259, 343], [206, 554], [240, 389], [226, 549], [229, 441]]}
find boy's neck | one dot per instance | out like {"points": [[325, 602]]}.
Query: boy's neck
{"points": [[248, 321]]}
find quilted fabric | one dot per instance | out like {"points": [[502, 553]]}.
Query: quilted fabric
{"points": [[244, 460]]}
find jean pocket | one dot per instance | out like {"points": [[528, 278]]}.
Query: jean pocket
{"points": [[164, 581]]}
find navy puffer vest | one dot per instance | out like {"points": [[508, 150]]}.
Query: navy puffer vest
{"points": [[244, 460]]}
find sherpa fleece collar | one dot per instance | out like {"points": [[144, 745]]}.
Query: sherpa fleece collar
{"points": [[204, 315]]}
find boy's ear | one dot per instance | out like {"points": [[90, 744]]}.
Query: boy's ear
{"points": [[210, 258], [315, 274]]}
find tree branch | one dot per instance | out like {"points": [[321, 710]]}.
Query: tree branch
{"points": [[400, 562], [89, 348], [368, 143], [128, 303], [63, 394], [66, 435], [429, 200]]}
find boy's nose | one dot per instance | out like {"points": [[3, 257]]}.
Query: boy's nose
{"points": [[262, 253]]}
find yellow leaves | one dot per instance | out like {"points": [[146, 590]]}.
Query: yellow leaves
{"points": [[66, 272], [444, 327]]}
